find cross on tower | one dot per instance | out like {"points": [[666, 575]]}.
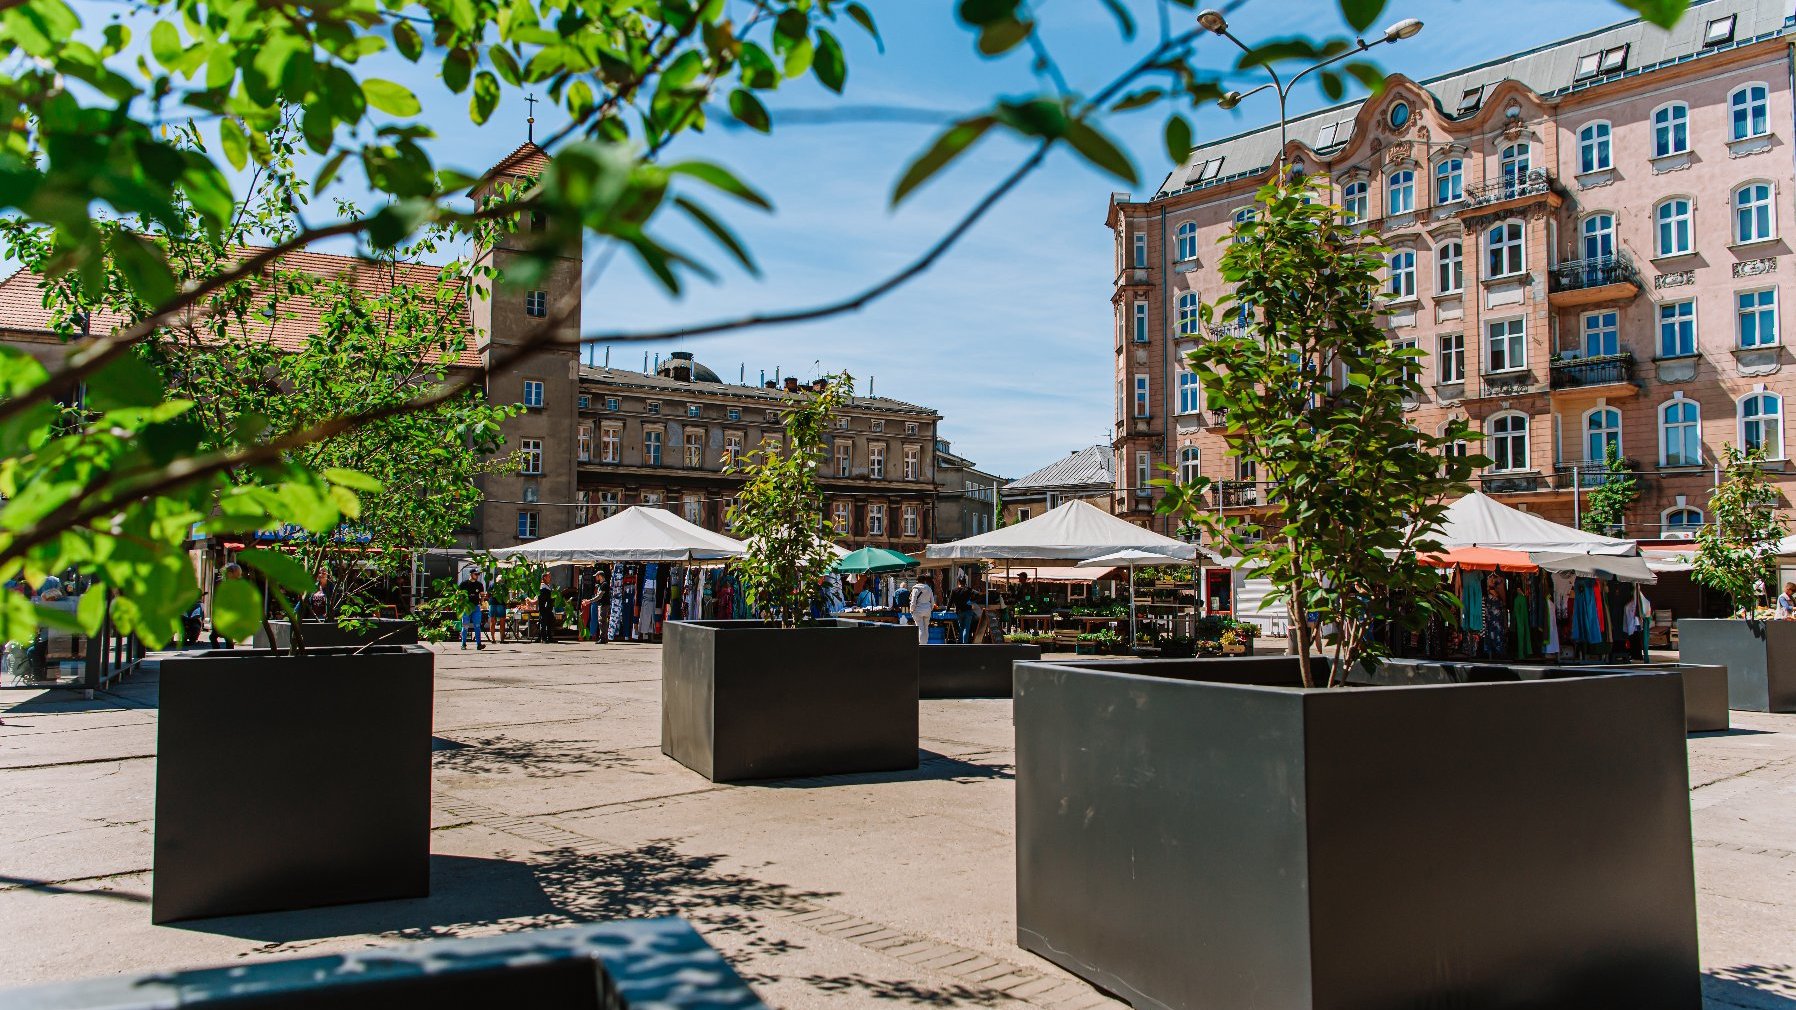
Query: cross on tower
{"points": [[530, 123]]}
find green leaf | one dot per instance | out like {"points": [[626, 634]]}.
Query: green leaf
{"points": [[353, 479], [165, 44], [235, 142], [1002, 36], [951, 144], [1123, 20], [237, 609], [1138, 99], [1178, 139], [393, 99], [407, 41], [282, 569], [458, 68], [720, 178], [126, 382], [90, 610], [985, 12], [749, 111], [143, 267], [1361, 13], [486, 97], [719, 231], [829, 64], [1664, 13], [1100, 151], [864, 18]]}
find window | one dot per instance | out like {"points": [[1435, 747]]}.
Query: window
{"points": [[1451, 360], [585, 401], [1353, 202], [733, 414], [533, 393], [1749, 112], [529, 524], [1677, 329], [583, 510], [1587, 65], [1188, 391], [1400, 192], [530, 451], [583, 443], [608, 503], [611, 444], [1412, 368], [610, 403], [1602, 333], [1399, 115], [727, 508], [876, 462], [844, 459], [1599, 236], [1506, 253], [840, 519], [1449, 181], [1141, 397], [1593, 148], [1141, 322], [910, 520], [1141, 249], [1144, 471], [651, 448], [1671, 130], [1762, 424], [913, 462], [1506, 345], [1190, 464], [1186, 236], [878, 426], [1514, 164], [876, 520], [1022, 514], [1470, 99], [1403, 274], [695, 448], [1614, 60], [910, 427], [689, 508], [693, 410], [1673, 217], [1508, 442], [1681, 523], [1680, 433], [1755, 313], [732, 449], [1719, 31], [536, 303], [533, 492], [1449, 269], [1753, 217], [1602, 432], [654, 406], [1189, 314], [1457, 447]]}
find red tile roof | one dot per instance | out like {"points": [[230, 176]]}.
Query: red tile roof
{"points": [[22, 308], [528, 161]]}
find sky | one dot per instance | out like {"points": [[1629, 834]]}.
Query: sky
{"points": [[1009, 335]]}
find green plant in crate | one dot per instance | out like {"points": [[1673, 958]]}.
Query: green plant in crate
{"points": [[1736, 547]]}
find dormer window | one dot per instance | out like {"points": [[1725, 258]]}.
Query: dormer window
{"points": [[1326, 137], [1204, 171], [879, 426], [1587, 65], [654, 406], [1719, 32], [1614, 60], [1470, 100]]}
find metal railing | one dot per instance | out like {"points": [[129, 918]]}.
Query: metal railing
{"points": [[1594, 272], [1232, 328], [1534, 182], [1513, 483], [1572, 373], [1503, 384], [1591, 473]]}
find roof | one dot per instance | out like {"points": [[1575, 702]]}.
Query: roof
{"points": [[1548, 70], [1087, 467], [629, 379], [22, 306], [527, 161], [1478, 520], [638, 533], [1075, 531]]}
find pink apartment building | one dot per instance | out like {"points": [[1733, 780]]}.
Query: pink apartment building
{"points": [[1591, 241]]}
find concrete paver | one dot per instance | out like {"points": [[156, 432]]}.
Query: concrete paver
{"points": [[553, 804]]}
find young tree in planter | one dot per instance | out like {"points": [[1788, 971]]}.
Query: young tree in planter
{"points": [[1606, 505], [1314, 393], [779, 511], [1734, 548]]}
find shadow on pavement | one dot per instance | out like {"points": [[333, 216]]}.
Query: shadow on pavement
{"points": [[931, 767], [541, 759], [46, 887], [1750, 987]]}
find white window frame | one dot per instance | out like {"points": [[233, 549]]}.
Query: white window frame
{"points": [[1400, 192], [583, 442], [876, 461], [529, 524], [1449, 181], [1757, 312], [1140, 243], [1595, 147], [1741, 421], [1504, 439], [1671, 130], [1603, 324], [1666, 424], [1140, 331], [1596, 235], [1506, 256], [841, 518], [1681, 531], [1190, 314], [876, 520], [1678, 318], [1742, 100], [1185, 237], [1607, 434], [1143, 398], [1672, 226], [531, 451], [1449, 268], [690, 506], [1144, 472], [1514, 336], [1450, 359], [913, 462], [732, 448], [611, 443], [1515, 162], [536, 304], [694, 443], [1755, 218], [1402, 282], [910, 524], [844, 458], [1190, 392], [533, 392], [1191, 464], [1354, 197], [652, 439]]}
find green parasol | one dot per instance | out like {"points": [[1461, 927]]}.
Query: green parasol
{"points": [[874, 561]]}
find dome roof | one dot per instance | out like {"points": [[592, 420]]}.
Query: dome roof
{"points": [[681, 360]]}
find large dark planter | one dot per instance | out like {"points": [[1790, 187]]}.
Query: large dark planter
{"points": [[745, 700], [1189, 837], [599, 966], [1705, 687], [384, 631], [1760, 657], [969, 671], [286, 782]]}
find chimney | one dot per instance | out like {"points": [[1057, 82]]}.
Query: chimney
{"points": [[818, 385], [791, 383], [770, 384], [679, 366]]}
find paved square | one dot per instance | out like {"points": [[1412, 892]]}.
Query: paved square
{"points": [[553, 804]]}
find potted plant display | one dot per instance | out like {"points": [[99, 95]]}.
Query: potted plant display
{"points": [[1735, 554], [1253, 832], [784, 696]]}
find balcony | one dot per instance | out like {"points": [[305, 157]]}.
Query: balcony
{"points": [[1513, 483], [1234, 328], [1235, 494], [1592, 373], [1500, 385], [1134, 277], [1590, 473], [1595, 280], [1525, 187]]}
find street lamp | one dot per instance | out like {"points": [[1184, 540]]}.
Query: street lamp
{"points": [[1211, 20]]}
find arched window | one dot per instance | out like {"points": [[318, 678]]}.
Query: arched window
{"points": [[1593, 147], [1186, 234], [1188, 391], [1507, 438], [1673, 218], [1762, 424], [1680, 523], [1599, 237], [1504, 244], [1749, 112], [1449, 268], [1243, 217], [1514, 161], [1680, 433], [1754, 219], [1400, 192], [1602, 432], [1671, 129], [1353, 202], [1189, 314], [1190, 464], [1449, 181], [1403, 274]]}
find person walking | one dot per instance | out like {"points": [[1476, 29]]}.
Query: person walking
{"points": [[496, 606], [472, 607], [922, 604], [962, 602], [545, 611]]}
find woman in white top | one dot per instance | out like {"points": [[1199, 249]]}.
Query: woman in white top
{"points": [[922, 604]]}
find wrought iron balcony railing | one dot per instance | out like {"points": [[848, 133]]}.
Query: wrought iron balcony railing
{"points": [[1512, 483], [1572, 373], [1591, 473], [1595, 272], [1534, 182]]}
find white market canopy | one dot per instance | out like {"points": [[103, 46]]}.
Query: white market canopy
{"points": [[1055, 575], [638, 533], [1075, 531], [1478, 520], [1124, 559]]}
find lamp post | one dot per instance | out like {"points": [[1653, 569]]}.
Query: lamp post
{"points": [[1211, 20]]}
